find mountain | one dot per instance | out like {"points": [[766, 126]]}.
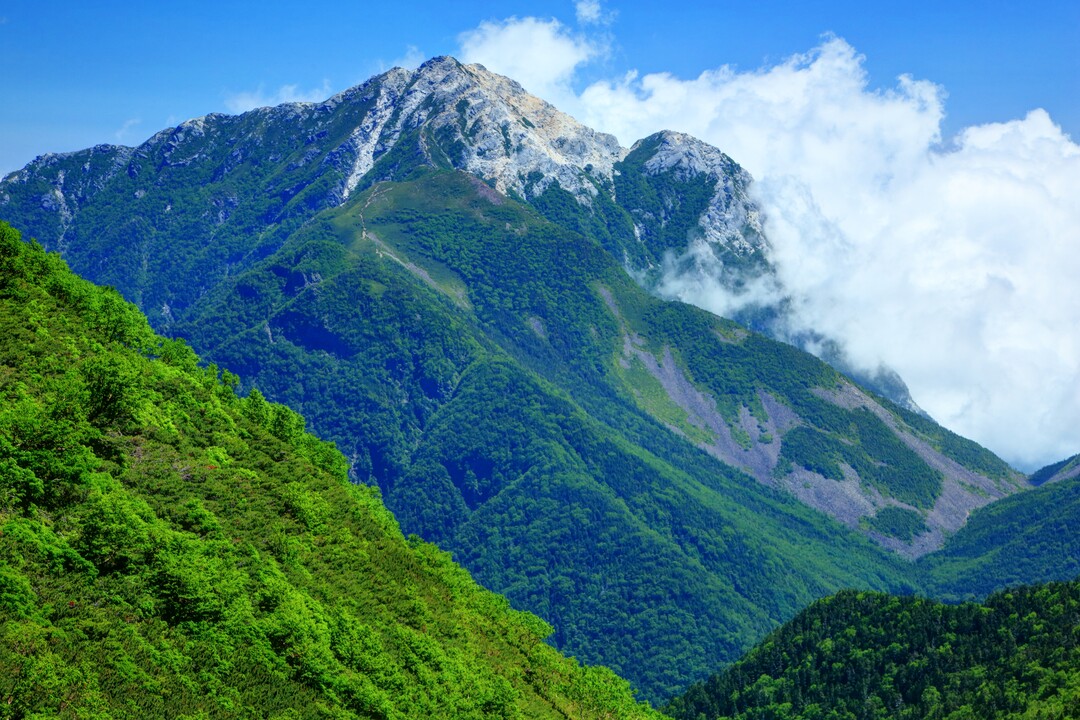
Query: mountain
{"points": [[432, 268], [866, 655], [1027, 538], [696, 226], [1063, 470], [168, 549]]}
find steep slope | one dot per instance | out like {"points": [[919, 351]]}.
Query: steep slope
{"points": [[1062, 470], [168, 222], [477, 358], [1029, 537], [170, 550], [863, 655], [431, 268], [690, 205]]}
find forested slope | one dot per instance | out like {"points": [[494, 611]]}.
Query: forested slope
{"points": [[490, 371], [1026, 538], [168, 549], [865, 656]]}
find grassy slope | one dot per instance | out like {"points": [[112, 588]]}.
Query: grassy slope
{"points": [[170, 550], [460, 351]]}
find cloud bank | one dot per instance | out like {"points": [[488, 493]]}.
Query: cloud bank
{"points": [[955, 262]]}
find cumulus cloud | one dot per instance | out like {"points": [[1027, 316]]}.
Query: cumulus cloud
{"points": [[953, 261], [542, 55], [251, 99], [954, 265]]}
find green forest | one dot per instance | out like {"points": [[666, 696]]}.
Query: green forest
{"points": [[867, 656], [170, 549]]}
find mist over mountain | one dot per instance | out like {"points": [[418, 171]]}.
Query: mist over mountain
{"points": [[948, 259]]}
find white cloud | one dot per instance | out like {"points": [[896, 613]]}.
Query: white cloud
{"points": [[542, 55], [588, 11], [123, 134], [251, 99], [411, 59], [956, 264]]}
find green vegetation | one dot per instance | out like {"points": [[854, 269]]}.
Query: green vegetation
{"points": [[650, 395], [966, 452], [390, 322], [168, 549], [1064, 466], [737, 372], [865, 656], [1026, 538], [897, 522], [467, 353], [667, 208]]}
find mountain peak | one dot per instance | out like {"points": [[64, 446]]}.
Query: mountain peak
{"points": [[728, 232], [475, 120], [687, 156]]}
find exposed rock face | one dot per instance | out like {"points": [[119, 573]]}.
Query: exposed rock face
{"points": [[480, 122], [731, 222], [267, 171]]}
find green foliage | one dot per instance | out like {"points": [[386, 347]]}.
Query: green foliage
{"points": [[1046, 473], [463, 350], [1028, 537], [738, 371], [966, 452], [456, 345], [900, 523], [867, 656], [879, 458], [666, 207], [382, 319], [170, 549]]}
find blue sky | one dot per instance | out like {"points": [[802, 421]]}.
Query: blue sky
{"points": [[81, 73], [916, 162]]}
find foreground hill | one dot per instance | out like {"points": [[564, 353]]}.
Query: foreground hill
{"points": [[868, 656], [432, 268], [168, 549]]}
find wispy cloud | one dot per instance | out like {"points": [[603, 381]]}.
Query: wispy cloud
{"points": [[590, 12], [954, 263], [251, 99], [411, 59], [123, 134]]}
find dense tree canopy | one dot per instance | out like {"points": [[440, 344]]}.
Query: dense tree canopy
{"points": [[864, 656], [168, 549]]}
